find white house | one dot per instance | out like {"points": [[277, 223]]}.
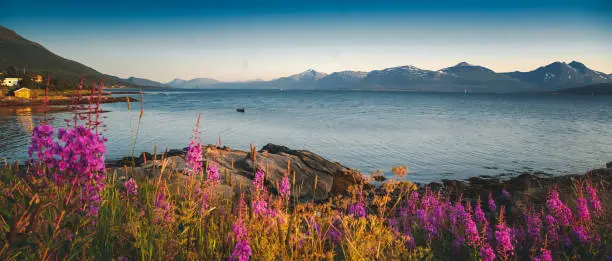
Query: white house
{"points": [[11, 81]]}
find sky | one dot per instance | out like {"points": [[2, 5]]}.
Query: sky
{"points": [[246, 40]]}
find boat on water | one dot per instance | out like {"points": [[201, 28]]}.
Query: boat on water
{"points": [[241, 109]]}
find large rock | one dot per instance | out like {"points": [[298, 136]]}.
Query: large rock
{"points": [[331, 177]]}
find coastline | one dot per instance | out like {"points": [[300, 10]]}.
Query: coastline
{"points": [[19, 102]]}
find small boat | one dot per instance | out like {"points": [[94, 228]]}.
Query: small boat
{"points": [[240, 109]]}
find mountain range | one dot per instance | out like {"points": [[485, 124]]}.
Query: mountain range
{"points": [[457, 78], [19, 52]]}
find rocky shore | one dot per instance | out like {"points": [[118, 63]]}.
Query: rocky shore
{"points": [[321, 179]]}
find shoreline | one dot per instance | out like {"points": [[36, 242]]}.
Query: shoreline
{"points": [[336, 179], [12, 102]]}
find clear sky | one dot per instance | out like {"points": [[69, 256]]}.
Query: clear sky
{"points": [[244, 40]]}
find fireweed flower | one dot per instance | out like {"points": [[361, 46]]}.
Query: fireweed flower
{"points": [[79, 157], [581, 234], [471, 232], [203, 197], [594, 200], [193, 158], [582, 209], [285, 188], [260, 207], [41, 149], [357, 210], [551, 228], [503, 238], [242, 250], [560, 211], [544, 255], [130, 188], [479, 215], [487, 253], [258, 181], [492, 206], [534, 226], [213, 173], [162, 211], [505, 193]]}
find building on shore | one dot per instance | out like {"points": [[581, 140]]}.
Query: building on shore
{"points": [[11, 81], [37, 78], [23, 93]]}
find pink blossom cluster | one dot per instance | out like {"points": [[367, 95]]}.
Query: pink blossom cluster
{"points": [[76, 158]]}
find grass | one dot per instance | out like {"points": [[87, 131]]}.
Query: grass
{"points": [[41, 223]]}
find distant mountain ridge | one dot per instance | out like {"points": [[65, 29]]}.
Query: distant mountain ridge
{"points": [[458, 78], [193, 83]]}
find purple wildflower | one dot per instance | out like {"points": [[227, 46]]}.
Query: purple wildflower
{"points": [[193, 158], [492, 206], [544, 255], [505, 193], [559, 210], [260, 207], [594, 200], [242, 250], [479, 215], [581, 234], [551, 228], [503, 238], [583, 209], [213, 173], [534, 226], [285, 188], [162, 212], [130, 188], [486, 253], [258, 182], [357, 210], [335, 231], [471, 231]]}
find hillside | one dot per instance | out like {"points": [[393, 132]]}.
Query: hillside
{"points": [[19, 52], [144, 82]]}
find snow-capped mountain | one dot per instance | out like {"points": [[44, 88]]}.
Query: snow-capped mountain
{"points": [[560, 75], [403, 77], [308, 75], [342, 80]]}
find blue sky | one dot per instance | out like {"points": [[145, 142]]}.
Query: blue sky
{"points": [[245, 40]]}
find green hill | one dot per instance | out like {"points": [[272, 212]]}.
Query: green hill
{"points": [[19, 52]]}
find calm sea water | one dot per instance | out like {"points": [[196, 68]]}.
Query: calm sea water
{"points": [[436, 135]]}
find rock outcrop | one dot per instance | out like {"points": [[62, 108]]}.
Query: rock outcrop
{"points": [[238, 168], [529, 189]]}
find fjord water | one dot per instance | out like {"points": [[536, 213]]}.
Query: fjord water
{"points": [[438, 135]]}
